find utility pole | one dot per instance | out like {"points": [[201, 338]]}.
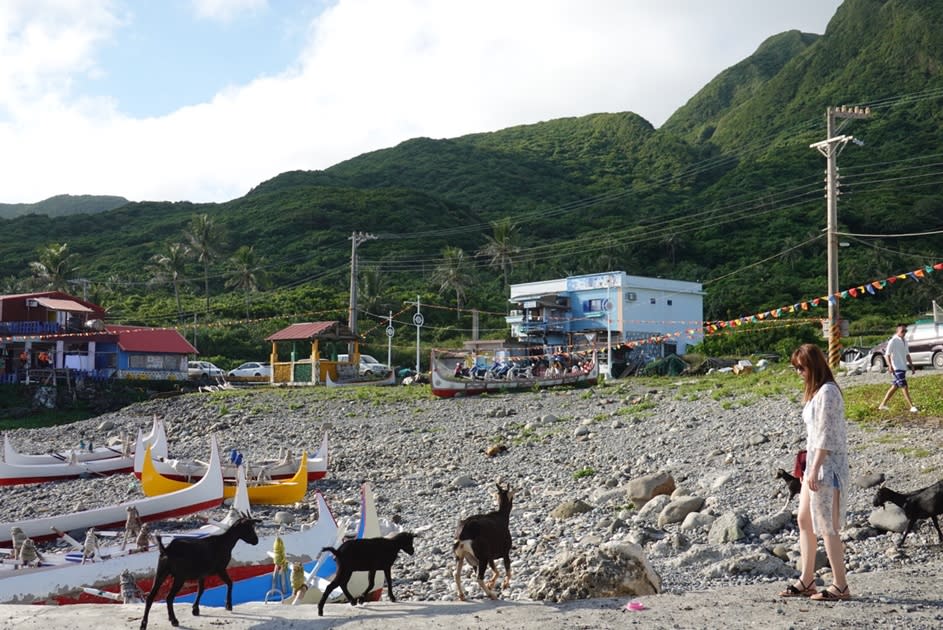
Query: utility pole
{"points": [[830, 148], [355, 239]]}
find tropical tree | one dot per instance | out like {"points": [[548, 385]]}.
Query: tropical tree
{"points": [[205, 239], [453, 275], [501, 246], [170, 266], [246, 272], [373, 291], [56, 265]]}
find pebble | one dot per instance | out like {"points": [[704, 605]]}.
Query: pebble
{"points": [[426, 461]]}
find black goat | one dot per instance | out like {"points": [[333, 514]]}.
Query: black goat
{"points": [[924, 503], [366, 554], [793, 484], [483, 538], [196, 558]]}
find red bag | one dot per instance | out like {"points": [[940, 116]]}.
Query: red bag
{"points": [[798, 469]]}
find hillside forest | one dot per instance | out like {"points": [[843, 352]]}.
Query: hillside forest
{"points": [[728, 193]]}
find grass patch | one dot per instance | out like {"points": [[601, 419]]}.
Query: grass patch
{"points": [[586, 471], [861, 402]]}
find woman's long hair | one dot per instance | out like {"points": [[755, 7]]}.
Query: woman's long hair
{"points": [[810, 359]]}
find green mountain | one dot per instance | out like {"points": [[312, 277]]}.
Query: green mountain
{"points": [[62, 205], [727, 192]]}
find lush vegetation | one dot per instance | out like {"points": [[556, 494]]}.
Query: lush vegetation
{"points": [[727, 192]]}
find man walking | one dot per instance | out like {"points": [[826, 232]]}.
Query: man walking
{"points": [[898, 355]]}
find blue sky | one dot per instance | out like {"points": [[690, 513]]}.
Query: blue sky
{"points": [[201, 100]]}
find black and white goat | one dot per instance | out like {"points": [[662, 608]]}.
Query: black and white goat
{"points": [[924, 503], [366, 554], [483, 538], [196, 558]]}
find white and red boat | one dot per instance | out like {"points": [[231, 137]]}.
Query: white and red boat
{"points": [[446, 385], [204, 495], [283, 468], [156, 439], [16, 474]]}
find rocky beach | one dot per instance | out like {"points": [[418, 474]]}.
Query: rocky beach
{"points": [[717, 547]]}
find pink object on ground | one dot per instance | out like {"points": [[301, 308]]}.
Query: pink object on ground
{"points": [[635, 606]]}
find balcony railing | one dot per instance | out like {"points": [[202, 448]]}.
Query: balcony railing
{"points": [[29, 328]]}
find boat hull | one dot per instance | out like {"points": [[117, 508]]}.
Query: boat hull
{"points": [[204, 495], [445, 385]]}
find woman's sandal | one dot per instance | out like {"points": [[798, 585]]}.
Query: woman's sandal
{"points": [[805, 591], [829, 595]]}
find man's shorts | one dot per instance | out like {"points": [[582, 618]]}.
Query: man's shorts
{"points": [[900, 378]]}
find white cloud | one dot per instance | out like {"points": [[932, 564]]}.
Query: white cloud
{"points": [[374, 73]]}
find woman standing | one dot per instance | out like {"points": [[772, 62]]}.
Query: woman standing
{"points": [[822, 502]]}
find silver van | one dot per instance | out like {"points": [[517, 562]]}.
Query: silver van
{"points": [[925, 341]]}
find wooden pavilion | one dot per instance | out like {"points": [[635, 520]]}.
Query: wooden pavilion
{"points": [[304, 363]]}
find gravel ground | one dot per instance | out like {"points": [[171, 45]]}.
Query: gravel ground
{"points": [[426, 461]]}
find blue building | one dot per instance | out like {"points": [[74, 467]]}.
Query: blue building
{"points": [[612, 308]]}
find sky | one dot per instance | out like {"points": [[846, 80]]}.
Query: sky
{"points": [[201, 100]]}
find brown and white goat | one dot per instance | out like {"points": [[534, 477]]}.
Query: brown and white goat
{"points": [[481, 539], [366, 554], [924, 503]]}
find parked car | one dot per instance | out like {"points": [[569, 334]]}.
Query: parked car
{"points": [[925, 340], [368, 365], [251, 369], [203, 370]]}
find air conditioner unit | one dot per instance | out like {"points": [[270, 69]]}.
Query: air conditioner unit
{"points": [[32, 303], [630, 296]]}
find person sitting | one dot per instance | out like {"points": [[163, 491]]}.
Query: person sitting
{"points": [[43, 359]]}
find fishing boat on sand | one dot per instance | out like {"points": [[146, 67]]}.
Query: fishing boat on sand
{"points": [[204, 495], [156, 439], [283, 468], [281, 492], [389, 379], [450, 378]]}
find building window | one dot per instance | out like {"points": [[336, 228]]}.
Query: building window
{"points": [[669, 302], [652, 300], [594, 306]]}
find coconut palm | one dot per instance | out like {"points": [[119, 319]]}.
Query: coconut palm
{"points": [[170, 266], [373, 291], [501, 246], [56, 265], [246, 272], [452, 274], [205, 239]]}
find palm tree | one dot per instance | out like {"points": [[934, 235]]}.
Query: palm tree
{"points": [[170, 266], [372, 291], [452, 274], [55, 266], [246, 272], [502, 246], [204, 237]]}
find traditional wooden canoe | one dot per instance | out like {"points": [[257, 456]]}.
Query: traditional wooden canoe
{"points": [[251, 568], [446, 385], [204, 495], [390, 379], [67, 583], [157, 439], [12, 474], [265, 470], [285, 492]]}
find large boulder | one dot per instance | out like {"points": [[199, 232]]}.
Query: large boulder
{"points": [[889, 518], [677, 510], [642, 489], [613, 569], [727, 528]]}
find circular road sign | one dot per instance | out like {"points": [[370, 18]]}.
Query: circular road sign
{"points": [[418, 319], [390, 331]]}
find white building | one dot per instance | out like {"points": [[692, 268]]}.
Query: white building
{"points": [[613, 307]]}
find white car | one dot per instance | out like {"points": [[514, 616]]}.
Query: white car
{"points": [[368, 365], [203, 371], [251, 369]]}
